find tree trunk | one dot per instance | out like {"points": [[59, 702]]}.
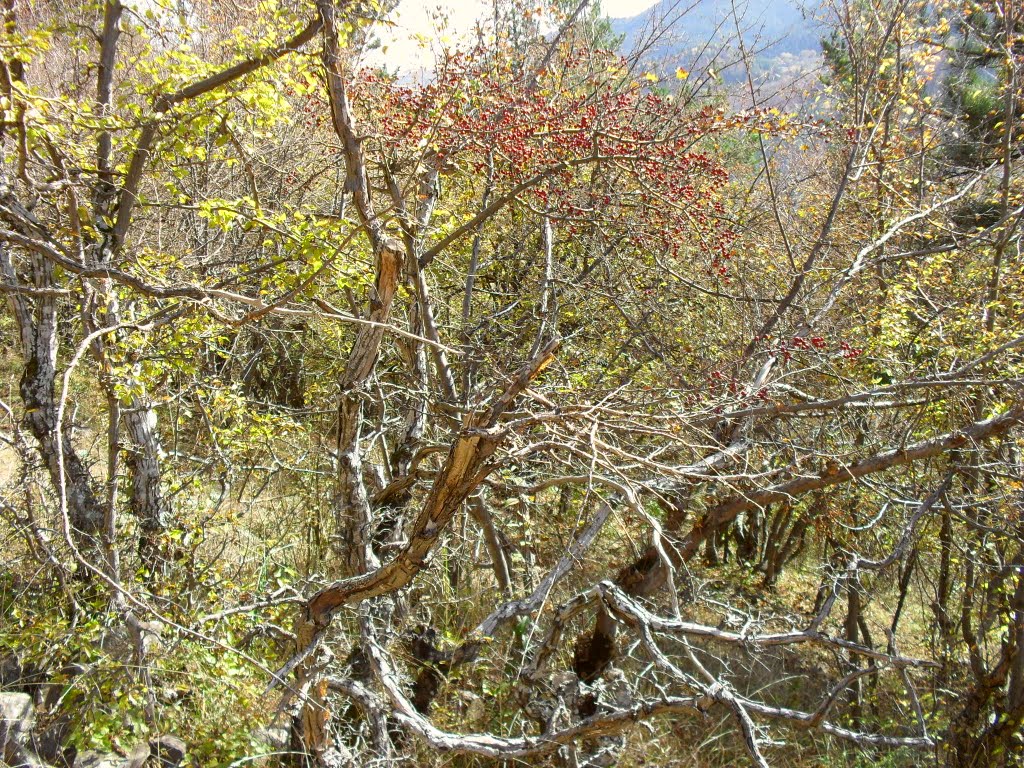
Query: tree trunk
{"points": [[36, 320]]}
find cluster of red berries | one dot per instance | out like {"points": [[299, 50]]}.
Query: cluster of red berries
{"points": [[849, 352], [480, 115]]}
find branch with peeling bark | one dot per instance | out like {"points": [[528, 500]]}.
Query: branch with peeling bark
{"points": [[463, 471]]}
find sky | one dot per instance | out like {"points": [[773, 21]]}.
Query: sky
{"points": [[423, 19], [619, 9]]}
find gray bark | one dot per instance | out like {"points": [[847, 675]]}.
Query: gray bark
{"points": [[36, 319]]}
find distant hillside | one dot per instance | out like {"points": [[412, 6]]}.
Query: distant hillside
{"points": [[778, 31]]}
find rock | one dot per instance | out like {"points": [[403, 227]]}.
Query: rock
{"points": [[275, 738], [55, 690], [50, 742], [16, 676], [138, 756], [22, 757], [92, 759], [17, 716], [168, 750], [10, 671]]}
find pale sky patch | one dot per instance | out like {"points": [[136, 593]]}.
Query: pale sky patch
{"points": [[623, 9], [421, 28]]}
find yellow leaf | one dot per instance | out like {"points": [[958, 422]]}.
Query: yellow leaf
{"points": [[681, 74], [651, 77]]}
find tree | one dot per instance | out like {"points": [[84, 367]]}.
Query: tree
{"points": [[543, 393]]}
